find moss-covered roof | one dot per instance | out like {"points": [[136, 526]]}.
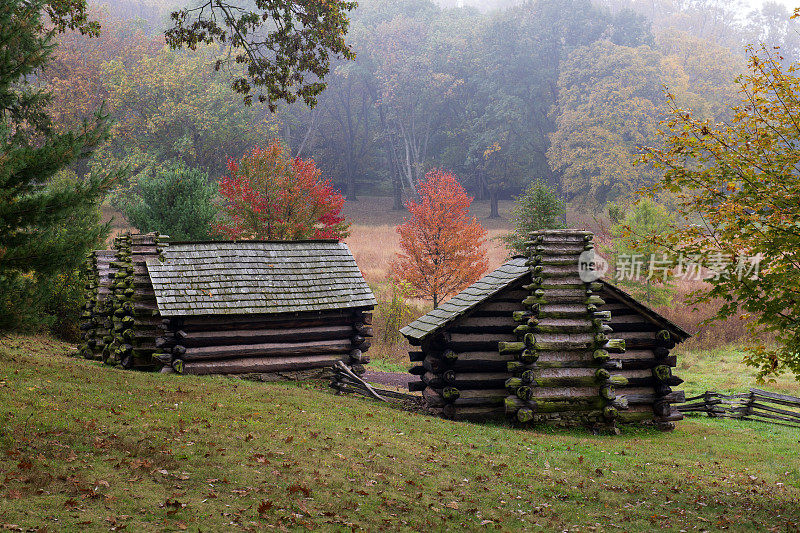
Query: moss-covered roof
{"points": [[257, 277], [494, 282], [466, 300]]}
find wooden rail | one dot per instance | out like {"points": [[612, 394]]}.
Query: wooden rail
{"points": [[345, 381], [756, 404]]}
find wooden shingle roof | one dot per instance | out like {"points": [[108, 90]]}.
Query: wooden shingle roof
{"points": [[249, 277], [463, 302], [494, 282]]}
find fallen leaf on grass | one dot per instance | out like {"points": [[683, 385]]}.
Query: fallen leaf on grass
{"points": [[173, 505], [294, 489], [264, 507]]}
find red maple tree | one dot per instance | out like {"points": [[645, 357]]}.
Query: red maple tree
{"points": [[271, 195], [442, 246]]}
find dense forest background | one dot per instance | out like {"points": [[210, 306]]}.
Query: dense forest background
{"points": [[566, 91]]}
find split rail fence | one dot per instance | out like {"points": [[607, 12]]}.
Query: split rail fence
{"points": [[756, 404]]}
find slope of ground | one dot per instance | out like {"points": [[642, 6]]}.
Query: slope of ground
{"points": [[95, 449]]}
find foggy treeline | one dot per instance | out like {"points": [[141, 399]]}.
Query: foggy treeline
{"points": [[563, 90]]}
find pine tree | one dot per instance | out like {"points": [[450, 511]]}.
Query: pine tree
{"points": [[442, 245], [175, 200], [39, 234], [539, 207]]}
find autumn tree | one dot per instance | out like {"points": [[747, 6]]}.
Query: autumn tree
{"points": [[738, 184], [442, 246], [639, 263], [608, 106], [172, 106], [271, 195]]}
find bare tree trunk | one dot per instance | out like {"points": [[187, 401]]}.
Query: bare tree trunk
{"points": [[494, 208]]}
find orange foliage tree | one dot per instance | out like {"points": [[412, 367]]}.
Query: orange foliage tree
{"points": [[271, 195], [442, 246]]}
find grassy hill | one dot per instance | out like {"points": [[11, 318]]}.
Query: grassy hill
{"points": [[87, 448]]}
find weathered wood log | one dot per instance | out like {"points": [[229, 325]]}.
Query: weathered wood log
{"points": [[558, 342], [477, 341], [259, 336], [349, 374], [508, 348], [357, 356], [632, 364], [525, 415], [565, 325], [363, 345], [416, 386], [630, 327], [783, 399], [457, 412], [649, 396], [357, 340], [630, 417], [466, 380], [243, 322], [416, 356], [609, 393], [513, 404], [286, 350], [258, 364], [363, 330], [434, 398]]}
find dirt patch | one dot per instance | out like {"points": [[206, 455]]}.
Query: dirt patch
{"points": [[393, 379]]}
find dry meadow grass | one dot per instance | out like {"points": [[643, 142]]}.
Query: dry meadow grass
{"points": [[376, 247]]}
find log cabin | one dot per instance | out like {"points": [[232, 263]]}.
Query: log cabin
{"points": [[259, 308], [534, 342]]}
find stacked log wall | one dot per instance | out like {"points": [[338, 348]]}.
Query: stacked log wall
{"points": [[134, 313], [646, 364], [95, 324], [266, 344], [564, 371], [461, 373]]}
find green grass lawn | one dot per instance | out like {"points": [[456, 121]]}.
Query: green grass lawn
{"points": [[88, 448], [722, 370]]}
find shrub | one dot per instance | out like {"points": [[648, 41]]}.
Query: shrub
{"points": [[395, 312]]}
